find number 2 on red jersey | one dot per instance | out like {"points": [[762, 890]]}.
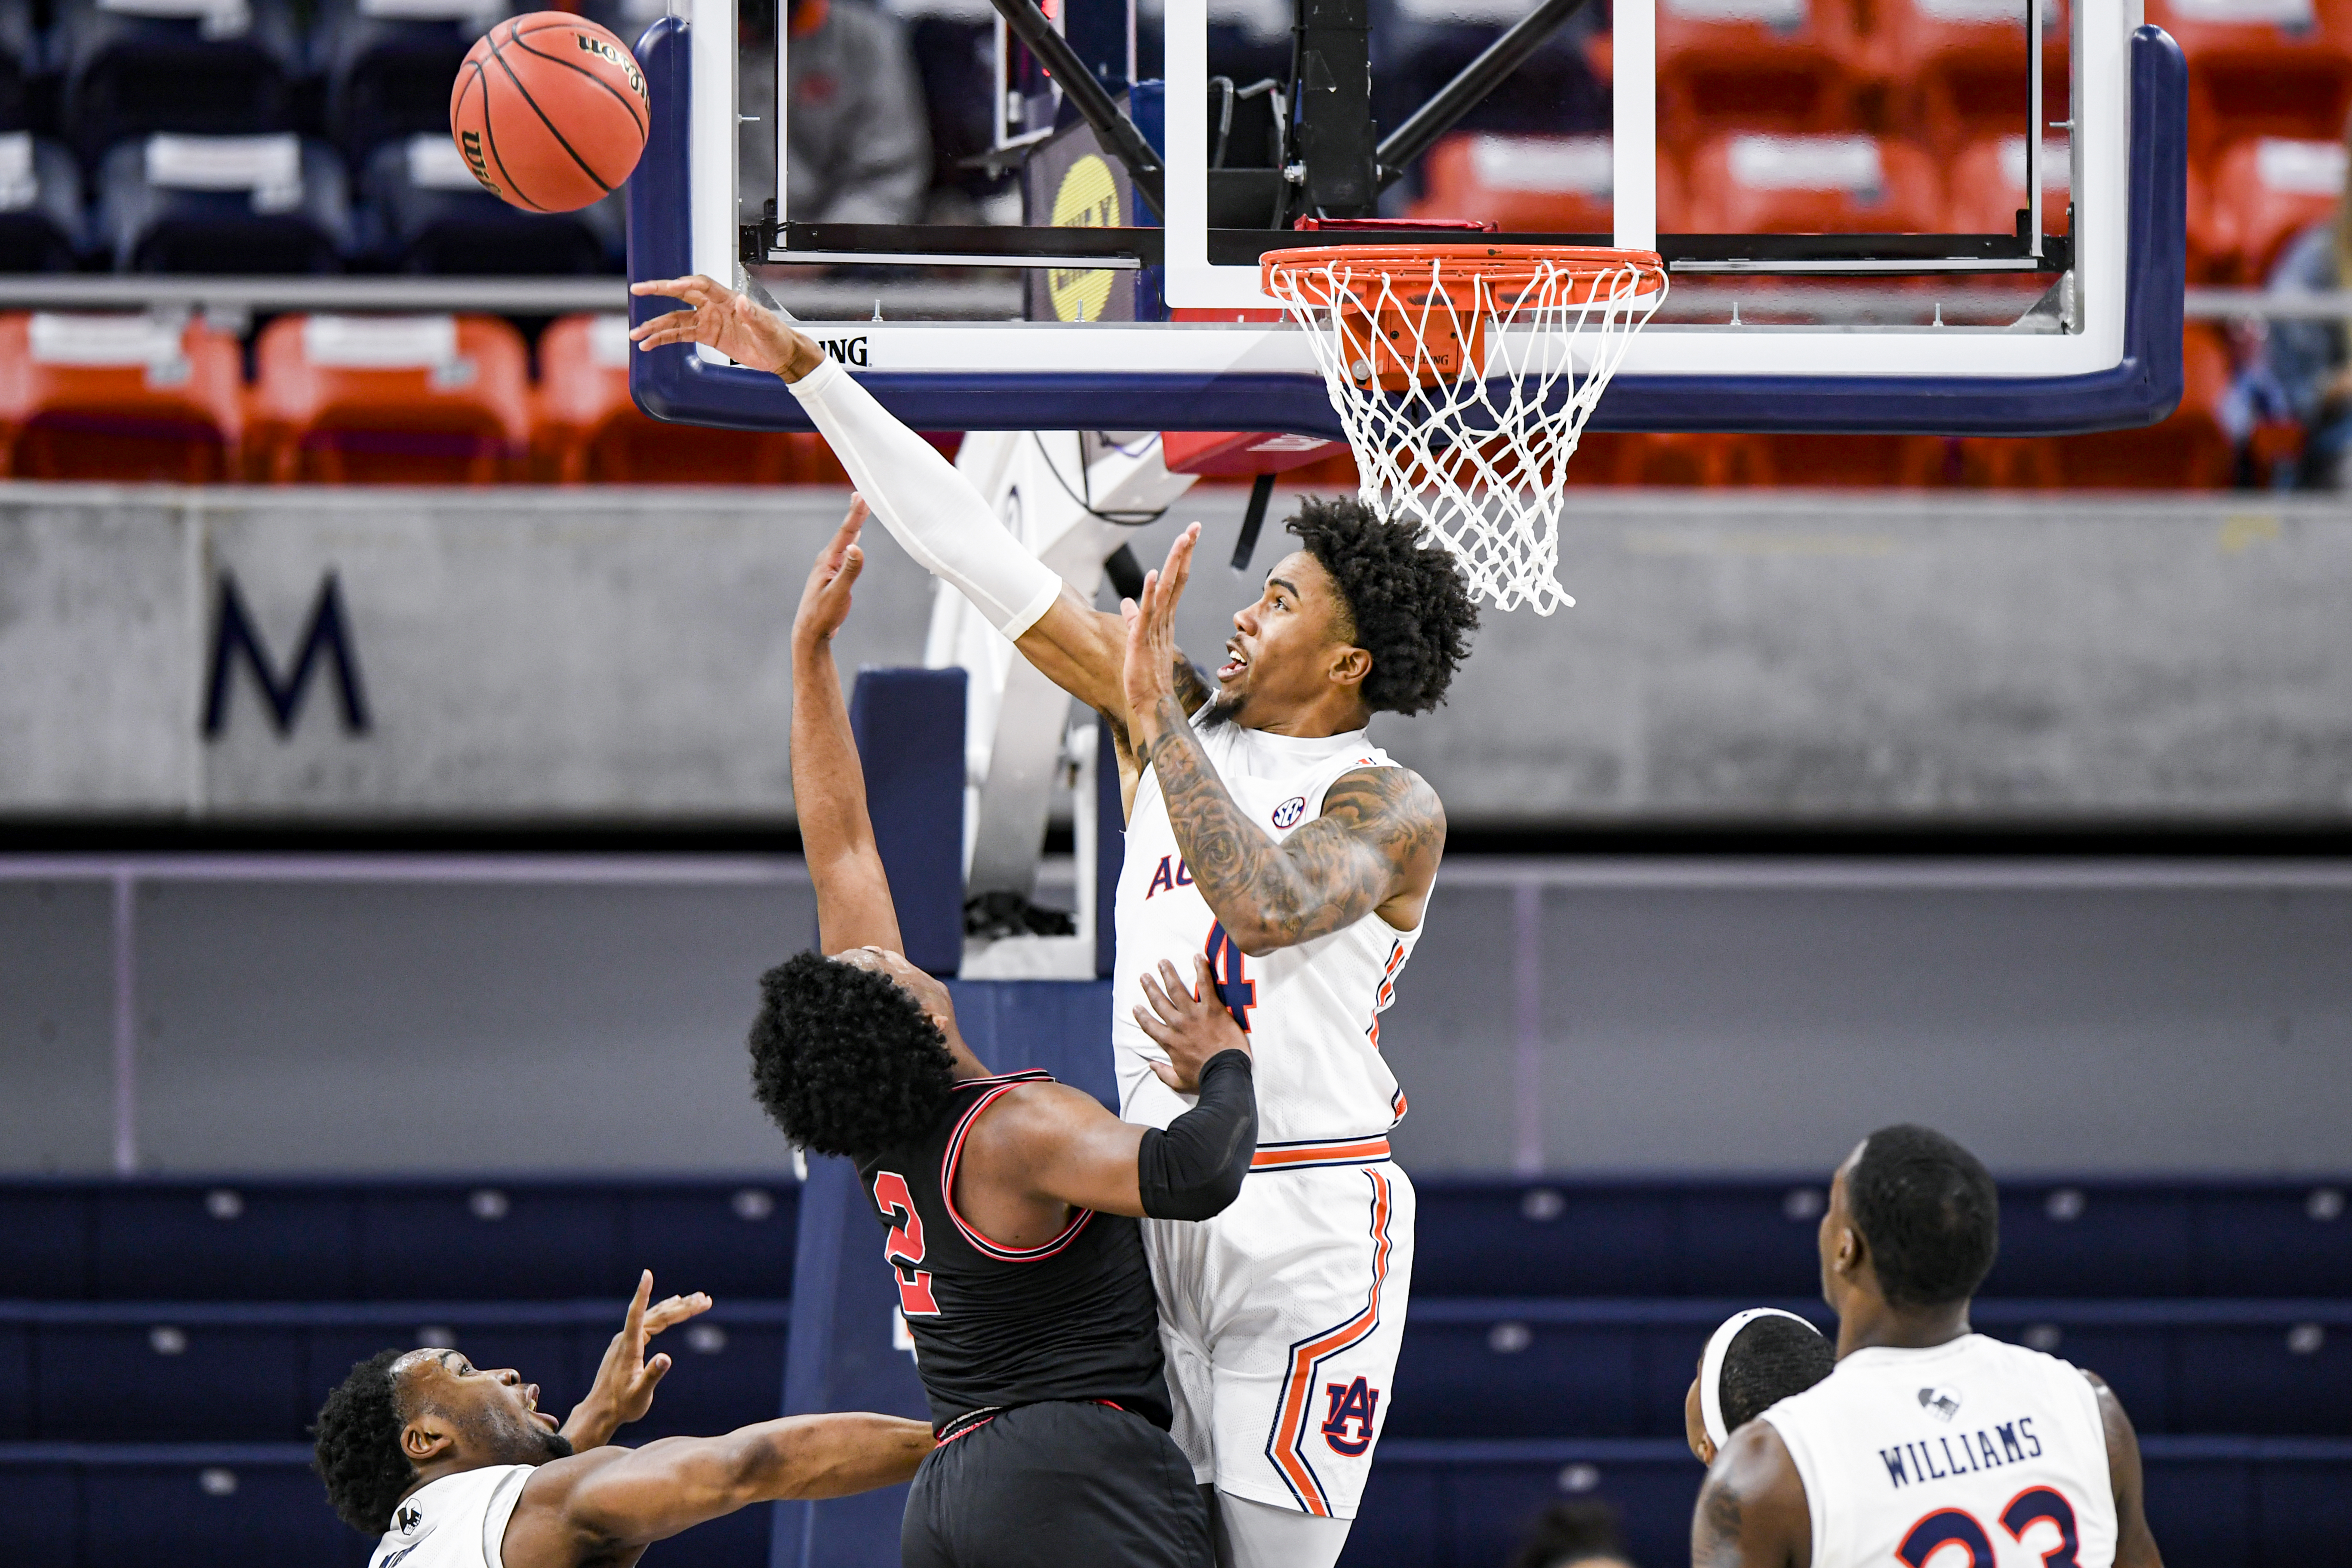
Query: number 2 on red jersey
{"points": [[904, 1249]]}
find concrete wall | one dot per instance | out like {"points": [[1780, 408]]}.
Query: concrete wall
{"points": [[1651, 1015], [608, 653]]}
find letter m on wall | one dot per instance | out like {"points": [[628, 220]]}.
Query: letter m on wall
{"points": [[326, 640]]}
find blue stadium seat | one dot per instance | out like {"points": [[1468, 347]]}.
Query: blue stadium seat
{"points": [[262, 205], [495, 1240], [2092, 1240], [736, 1243], [1482, 1238], [425, 213], [2278, 1377], [16, 1384], [208, 66], [267, 1242], [1479, 1498], [2303, 1501], [44, 1243], [42, 227], [41, 1499], [2284, 1239], [165, 1374], [1515, 1370], [388, 75], [222, 1508]]}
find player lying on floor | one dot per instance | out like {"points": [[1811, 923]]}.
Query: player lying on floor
{"points": [[1009, 1202], [1754, 1360], [1926, 1435], [457, 1466]]}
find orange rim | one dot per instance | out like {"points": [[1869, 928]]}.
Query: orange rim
{"points": [[1461, 262]]}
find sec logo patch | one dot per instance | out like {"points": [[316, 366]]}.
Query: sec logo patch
{"points": [[1287, 815]]}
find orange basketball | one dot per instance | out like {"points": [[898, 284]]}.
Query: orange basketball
{"points": [[549, 111]]}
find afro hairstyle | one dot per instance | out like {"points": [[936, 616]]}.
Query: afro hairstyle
{"points": [[358, 1446], [843, 1060], [1766, 1361], [1408, 604], [1930, 1211]]}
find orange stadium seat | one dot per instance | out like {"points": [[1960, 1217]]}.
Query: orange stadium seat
{"points": [[2273, 189], [415, 400], [120, 397], [1768, 65], [589, 429], [2189, 451], [2279, 67], [1956, 70], [1530, 184], [1751, 183]]}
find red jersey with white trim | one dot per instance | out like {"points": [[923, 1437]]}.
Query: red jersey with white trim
{"points": [[1313, 1010], [998, 1327]]}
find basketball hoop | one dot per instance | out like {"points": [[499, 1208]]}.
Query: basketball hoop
{"points": [[1463, 375]]}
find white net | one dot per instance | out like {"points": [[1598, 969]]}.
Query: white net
{"points": [[1464, 380]]}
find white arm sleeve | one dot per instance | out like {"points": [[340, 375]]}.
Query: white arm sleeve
{"points": [[928, 506]]}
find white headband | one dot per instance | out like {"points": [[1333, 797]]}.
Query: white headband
{"points": [[1710, 1368]]}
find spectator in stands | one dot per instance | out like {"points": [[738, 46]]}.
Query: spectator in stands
{"points": [[1754, 1360], [2311, 360], [1573, 1535], [859, 143]]}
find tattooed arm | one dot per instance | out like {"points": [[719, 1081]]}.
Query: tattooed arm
{"points": [[1752, 1512], [1375, 847]]}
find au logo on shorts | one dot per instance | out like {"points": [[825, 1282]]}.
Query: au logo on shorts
{"points": [[1351, 1404], [1287, 815]]}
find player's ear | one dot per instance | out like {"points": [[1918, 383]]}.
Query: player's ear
{"points": [[1350, 666], [427, 1437]]}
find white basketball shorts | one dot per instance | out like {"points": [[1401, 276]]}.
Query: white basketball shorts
{"points": [[1282, 1318]]}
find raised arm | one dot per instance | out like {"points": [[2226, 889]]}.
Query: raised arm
{"points": [[1752, 1512], [594, 1505], [1375, 847], [1050, 1145], [853, 895], [928, 507]]}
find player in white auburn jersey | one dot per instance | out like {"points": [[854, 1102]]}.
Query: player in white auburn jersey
{"points": [[1928, 1445], [1269, 834], [454, 1466]]}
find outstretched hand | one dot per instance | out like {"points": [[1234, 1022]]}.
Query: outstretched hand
{"points": [[824, 601], [1190, 1025], [745, 330], [1151, 674], [623, 1389]]}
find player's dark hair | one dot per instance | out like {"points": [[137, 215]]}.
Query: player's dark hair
{"points": [[1766, 1361], [843, 1060], [1408, 604], [357, 1452], [1571, 1533], [1929, 1212]]}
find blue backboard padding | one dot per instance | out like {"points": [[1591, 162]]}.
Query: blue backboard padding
{"points": [[674, 385], [910, 728]]}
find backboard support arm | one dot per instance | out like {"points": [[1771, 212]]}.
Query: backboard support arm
{"points": [[1400, 149], [1119, 137]]}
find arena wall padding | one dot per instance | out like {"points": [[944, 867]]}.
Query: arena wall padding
{"points": [[910, 728]]}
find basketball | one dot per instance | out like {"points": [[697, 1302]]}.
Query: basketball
{"points": [[549, 111]]}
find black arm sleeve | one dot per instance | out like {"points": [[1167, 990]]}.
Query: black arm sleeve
{"points": [[1195, 1168]]}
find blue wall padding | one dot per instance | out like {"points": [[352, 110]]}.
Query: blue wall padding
{"points": [[1110, 847], [910, 729], [840, 1356]]}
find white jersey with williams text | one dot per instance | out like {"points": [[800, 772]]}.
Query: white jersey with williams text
{"points": [[457, 1521], [1971, 1452], [1312, 1011]]}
